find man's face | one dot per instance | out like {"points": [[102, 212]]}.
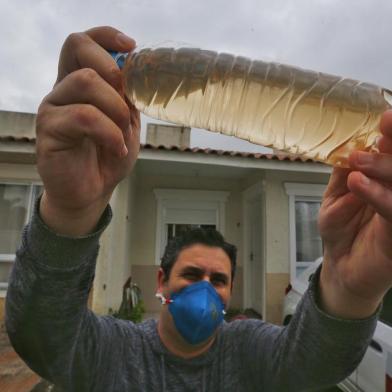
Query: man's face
{"points": [[196, 263]]}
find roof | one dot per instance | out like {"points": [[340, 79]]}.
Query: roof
{"points": [[279, 157], [194, 150]]}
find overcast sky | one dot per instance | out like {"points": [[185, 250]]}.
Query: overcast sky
{"points": [[351, 38]]}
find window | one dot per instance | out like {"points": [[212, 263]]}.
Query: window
{"points": [[305, 241], [174, 229], [307, 238], [16, 201], [179, 210]]}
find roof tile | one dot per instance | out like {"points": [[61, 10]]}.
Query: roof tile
{"points": [[195, 150]]}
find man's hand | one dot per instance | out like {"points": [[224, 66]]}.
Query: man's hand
{"points": [[355, 223], [87, 135]]}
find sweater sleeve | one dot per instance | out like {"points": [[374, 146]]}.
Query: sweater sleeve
{"points": [[47, 318], [315, 350]]}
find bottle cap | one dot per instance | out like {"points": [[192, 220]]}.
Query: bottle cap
{"points": [[119, 57]]}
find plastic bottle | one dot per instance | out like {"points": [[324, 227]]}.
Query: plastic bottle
{"points": [[306, 113]]}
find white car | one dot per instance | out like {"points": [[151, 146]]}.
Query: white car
{"points": [[374, 373]]}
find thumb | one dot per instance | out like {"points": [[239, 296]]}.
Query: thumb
{"points": [[337, 185]]}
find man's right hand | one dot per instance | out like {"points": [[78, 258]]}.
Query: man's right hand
{"points": [[83, 127]]}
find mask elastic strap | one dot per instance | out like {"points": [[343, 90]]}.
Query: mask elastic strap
{"points": [[164, 301]]}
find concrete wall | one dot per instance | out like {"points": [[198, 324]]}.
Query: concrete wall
{"points": [[168, 135], [17, 124], [277, 236]]}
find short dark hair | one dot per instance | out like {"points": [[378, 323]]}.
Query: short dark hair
{"points": [[203, 236]]}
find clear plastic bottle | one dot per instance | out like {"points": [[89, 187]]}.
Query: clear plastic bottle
{"points": [[307, 113]]}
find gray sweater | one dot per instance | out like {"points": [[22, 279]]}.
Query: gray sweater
{"points": [[52, 329]]}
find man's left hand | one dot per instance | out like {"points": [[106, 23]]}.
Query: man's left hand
{"points": [[355, 224]]}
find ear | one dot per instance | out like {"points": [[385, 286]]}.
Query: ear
{"points": [[160, 280]]}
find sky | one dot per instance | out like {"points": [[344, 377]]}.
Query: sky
{"points": [[350, 38]]}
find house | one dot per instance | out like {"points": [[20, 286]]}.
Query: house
{"points": [[266, 204]]}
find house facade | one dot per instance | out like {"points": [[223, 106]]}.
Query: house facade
{"points": [[265, 204]]}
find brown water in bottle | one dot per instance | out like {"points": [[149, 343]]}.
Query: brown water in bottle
{"points": [[307, 113]]}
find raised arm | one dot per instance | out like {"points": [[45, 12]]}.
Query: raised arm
{"points": [[334, 323], [87, 142]]}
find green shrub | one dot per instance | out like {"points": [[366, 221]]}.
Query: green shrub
{"points": [[135, 314]]}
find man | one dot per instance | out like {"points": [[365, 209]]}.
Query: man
{"points": [[87, 141]]}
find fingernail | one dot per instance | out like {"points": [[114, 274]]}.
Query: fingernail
{"points": [[364, 158], [124, 40], [124, 151], [365, 180]]}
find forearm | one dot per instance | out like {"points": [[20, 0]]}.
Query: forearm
{"points": [[315, 349], [74, 222], [337, 300]]}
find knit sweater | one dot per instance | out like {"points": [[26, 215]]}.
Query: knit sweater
{"points": [[52, 329]]}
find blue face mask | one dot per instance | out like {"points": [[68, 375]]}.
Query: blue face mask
{"points": [[197, 311]]}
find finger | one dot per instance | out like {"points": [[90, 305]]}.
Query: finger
{"points": [[65, 127], [132, 138], [86, 86], [384, 144], [134, 118], [386, 123], [337, 185], [111, 38], [372, 192], [89, 50], [344, 209], [374, 165]]}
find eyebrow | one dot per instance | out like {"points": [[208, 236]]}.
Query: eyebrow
{"points": [[200, 272]]}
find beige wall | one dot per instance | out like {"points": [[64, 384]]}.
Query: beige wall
{"points": [[276, 285], [277, 236], [114, 264]]}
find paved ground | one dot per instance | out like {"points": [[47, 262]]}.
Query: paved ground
{"points": [[15, 376]]}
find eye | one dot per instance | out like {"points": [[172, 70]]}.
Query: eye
{"points": [[219, 281], [191, 276]]}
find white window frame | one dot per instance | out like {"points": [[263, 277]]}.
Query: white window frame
{"points": [[299, 192], [10, 258], [186, 199]]}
